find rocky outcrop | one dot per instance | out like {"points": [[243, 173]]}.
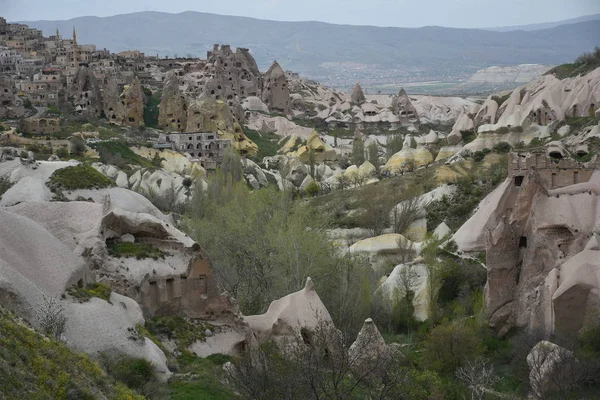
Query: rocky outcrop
{"points": [[275, 92], [113, 107], [416, 277], [369, 354], [173, 106], [293, 319], [536, 229], [547, 101], [402, 106], [10, 106], [357, 97], [550, 366], [133, 99], [84, 93]]}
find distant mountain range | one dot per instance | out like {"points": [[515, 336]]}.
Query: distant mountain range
{"points": [[546, 25], [337, 54]]}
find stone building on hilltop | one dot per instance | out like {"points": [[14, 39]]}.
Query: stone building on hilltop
{"points": [[207, 147]]}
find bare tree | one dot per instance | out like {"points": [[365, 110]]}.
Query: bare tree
{"points": [[405, 213], [479, 376], [50, 317]]}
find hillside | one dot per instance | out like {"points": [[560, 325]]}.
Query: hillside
{"points": [[336, 54], [546, 25]]}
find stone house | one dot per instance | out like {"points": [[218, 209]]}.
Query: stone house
{"points": [[207, 147]]}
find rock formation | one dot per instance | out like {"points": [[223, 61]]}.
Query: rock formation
{"points": [[134, 99], [357, 97], [549, 365], [293, 319], [541, 262], [545, 101], [85, 93], [173, 106], [10, 107], [369, 354], [275, 92], [402, 106], [113, 107]]}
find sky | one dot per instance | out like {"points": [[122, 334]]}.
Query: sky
{"points": [[402, 13]]}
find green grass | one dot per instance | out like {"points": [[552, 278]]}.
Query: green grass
{"points": [[151, 110], [268, 143], [118, 149], [84, 294], [35, 367], [572, 70], [137, 250], [5, 184], [205, 383], [79, 177], [182, 330], [578, 123]]}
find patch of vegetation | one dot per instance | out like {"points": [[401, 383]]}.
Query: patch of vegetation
{"points": [[33, 364], [84, 294], [81, 176], [118, 153], [137, 250], [137, 374], [205, 384], [501, 100], [578, 123], [506, 129], [151, 109], [501, 148], [182, 330], [268, 143], [468, 136], [585, 63], [456, 209], [5, 184]]}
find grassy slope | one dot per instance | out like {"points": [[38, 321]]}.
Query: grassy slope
{"points": [[35, 367], [79, 177]]}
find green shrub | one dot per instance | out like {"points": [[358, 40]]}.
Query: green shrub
{"points": [[137, 250], [118, 153], [468, 136], [133, 372], [501, 100], [5, 184], [84, 294], [450, 345], [81, 176], [182, 330], [313, 189], [502, 148], [62, 153]]}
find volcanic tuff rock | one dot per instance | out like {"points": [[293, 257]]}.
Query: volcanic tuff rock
{"points": [[537, 229], [10, 106], [113, 107], [357, 97], [293, 319], [369, 354], [546, 101], [85, 93], [173, 106], [133, 99], [275, 92]]}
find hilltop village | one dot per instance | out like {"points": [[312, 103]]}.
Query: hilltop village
{"points": [[199, 226]]}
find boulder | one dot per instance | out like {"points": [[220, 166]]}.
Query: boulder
{"points": [[442, 231], [275, 93], [548, 365], [415, 276], [383, 244]]}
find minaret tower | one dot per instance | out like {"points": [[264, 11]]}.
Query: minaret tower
{"points": [[75, 50]]}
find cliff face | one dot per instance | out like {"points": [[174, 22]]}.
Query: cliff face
{"points": [[540, 232]]}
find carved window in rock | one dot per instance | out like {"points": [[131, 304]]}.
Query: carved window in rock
{"points": [[198, 285], [518, 181]]}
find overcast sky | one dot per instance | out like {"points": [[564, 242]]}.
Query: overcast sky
{"points": [[404, 13]]}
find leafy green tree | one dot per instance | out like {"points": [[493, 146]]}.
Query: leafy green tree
{"points": [[394, 145], [358, 152], [373, 154], [450, 346]]}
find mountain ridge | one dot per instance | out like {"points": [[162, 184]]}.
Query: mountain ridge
{"points": [[315, 49]]}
